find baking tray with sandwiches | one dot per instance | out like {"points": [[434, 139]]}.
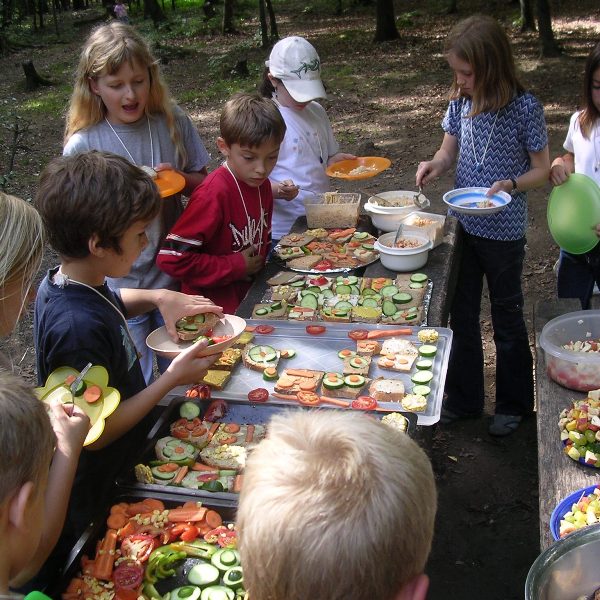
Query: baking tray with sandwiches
{"points": [[114, 563], [347, 298], [200, 447], [399, 368]]}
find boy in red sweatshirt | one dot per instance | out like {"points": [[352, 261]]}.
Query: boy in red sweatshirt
{"points": [[222, 238]]}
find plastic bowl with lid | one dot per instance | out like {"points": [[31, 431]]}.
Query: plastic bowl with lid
{"points": [[567, 569], [403, 259], [402, 200], [388, 221], [574, 370]]}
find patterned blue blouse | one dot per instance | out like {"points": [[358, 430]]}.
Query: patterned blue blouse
{"points": [[509, 135]]}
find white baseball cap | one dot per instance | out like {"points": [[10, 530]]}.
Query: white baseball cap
{"points": [[297, 64]]}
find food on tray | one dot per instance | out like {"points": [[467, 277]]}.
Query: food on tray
{"points": [[284, 277], [387, 390], [284, 292], [228, 359], [428, 336], [217, 378], [395, 201], [230, 445], [396, 420], [293, 381], [397, 355], [296, 239], [170, 448], [273, 310], [288, 252], [414, 403], [585, 511], [189, 328], [356, 365], [580, 429], [304, 263], [338, 385], [245, 338], [301, 313], [366, 314], [368, 347], [259, 357]]}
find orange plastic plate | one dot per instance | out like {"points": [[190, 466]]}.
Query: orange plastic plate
{"points": [[344, 168], [169, 183]]}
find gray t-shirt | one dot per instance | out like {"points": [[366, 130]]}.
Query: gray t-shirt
{"points": [[136, 138]]}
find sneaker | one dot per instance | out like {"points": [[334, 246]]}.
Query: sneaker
{"points": [[448, 416], [502, 425]]}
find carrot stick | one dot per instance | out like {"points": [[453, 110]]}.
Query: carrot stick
{"points": [[128, 529], [180, 475], [300, 373], [198, 466], [249, 433], [153, 504], [105, 557], [213, 519], [212, 430], [237, 483], [182, 515], [117, 520], [334, 401], [379, 333]]}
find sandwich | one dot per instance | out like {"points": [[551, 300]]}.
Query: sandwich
{"points": [[305, 262], [284, 278], [228, 359], [216, 378], [193, 326], [357, 365], [293, 381], [190, 430], [259, 357], [272, 310], [397, 362], [296, 239], [368, 347], [288, 252], [170, 448], [301, 313], [386, 390], [337, 385], [366, 314]]}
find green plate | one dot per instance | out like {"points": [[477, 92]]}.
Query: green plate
{"points": [[98, 411], [573, 212]]}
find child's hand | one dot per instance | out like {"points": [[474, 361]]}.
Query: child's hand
{"points": [[504, 185], [287, 190], [163, 167], [427, 171], [175, 305], [254, 263], [559, 173], [340, 156], [70, 425], [188, 367]]}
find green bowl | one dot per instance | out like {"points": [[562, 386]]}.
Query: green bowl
{"points": [[573, 213]]}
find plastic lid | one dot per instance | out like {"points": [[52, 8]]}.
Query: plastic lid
{"points": [[573, 212]]}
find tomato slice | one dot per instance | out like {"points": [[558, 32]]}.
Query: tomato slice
{"points": [[217, 339], [138, 546], [323, 265], [264, 329], [258, 395], [201, 392], [358, 334], [364, 403], [308, 398], [315, 329], [216, 410], [212, 536]]}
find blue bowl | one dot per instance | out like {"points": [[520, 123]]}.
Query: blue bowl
{"points": [[564, 506]]}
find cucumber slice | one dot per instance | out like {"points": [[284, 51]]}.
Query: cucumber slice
{"points": [[422, 377], [309, 301], [358, 362], [343, 306], [422, 390], [80, 389], [315, 289], [189, 410], [190, 327], [307, 291], [297, 284], [333, 384], [162, 475], [199, 318], [427, 350], [327, 293], [360, 235], [187, 592], [368, 247], [340, 313], [287, 353], [270, 374], [388, 308], [217, 592], [354, 381], [354, 291], [424, 363], [203, 574], [418, 277], [262, 353], [409, 316], [388, 291], [352, 279], [346, 353], [402, 298], [259, 312], [213, 486], [415, 285], [234, 578], [343, 289], [368, 292], [370, 301], [276, 306]]}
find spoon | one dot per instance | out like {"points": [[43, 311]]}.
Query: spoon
{"points": [[398, 234], [421, 200]]}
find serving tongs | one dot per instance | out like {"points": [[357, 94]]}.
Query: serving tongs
{"points": [[73, 387]]}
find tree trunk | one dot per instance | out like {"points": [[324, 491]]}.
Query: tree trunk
{"points": [[262, 17], [527, 19], [32, 79], [274, 35], [549, 47], [452, 7], [228, 26], [208, 9], [154, 11], [385, 28]]}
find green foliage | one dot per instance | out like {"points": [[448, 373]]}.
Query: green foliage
{"points": [[406, 20]]}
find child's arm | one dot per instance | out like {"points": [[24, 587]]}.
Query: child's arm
{"points": [[172, 305], [442, 160], [70, 434], [562, 167], [536, 177], [339, 156]]}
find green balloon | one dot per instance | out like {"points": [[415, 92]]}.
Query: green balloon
{"points": [[573, 213]]}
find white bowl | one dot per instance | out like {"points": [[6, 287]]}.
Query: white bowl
{"points": [[387, 221], [410, 203], [402, 259]]}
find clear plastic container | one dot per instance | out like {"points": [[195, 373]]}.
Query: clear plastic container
{"points": [[574, 370], [430, 224], [332, 210]]}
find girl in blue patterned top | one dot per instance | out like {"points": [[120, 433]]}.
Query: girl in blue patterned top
{"points": [[496, 133]]}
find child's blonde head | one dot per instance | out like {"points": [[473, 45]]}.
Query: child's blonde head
{"points": [[21, 242], [251, 120], [26, 435], [334, 505], [106, 50], [481, 41]]}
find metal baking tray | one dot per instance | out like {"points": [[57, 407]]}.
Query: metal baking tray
{"points": [[319, 352], [241, 412], [86, 545]]}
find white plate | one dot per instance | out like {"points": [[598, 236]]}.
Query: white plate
{"points": [[160, 341], [467, 201]]}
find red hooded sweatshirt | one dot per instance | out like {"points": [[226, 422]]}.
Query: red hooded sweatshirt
{"points": [[203, 248]]}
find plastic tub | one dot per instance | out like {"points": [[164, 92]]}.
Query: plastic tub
{"points": [[430, 224], [343, 212], [387, 221], [574, 370], [564, 506], [403, 259], [568, 569]]}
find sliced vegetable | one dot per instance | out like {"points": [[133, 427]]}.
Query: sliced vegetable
{"points": [[92, 394], [203, 574], [364, 403], [358, 334], [315, 329], [380, 333], [264, 329], [258, 395]]}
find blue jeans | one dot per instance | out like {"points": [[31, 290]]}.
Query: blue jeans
{"points": [[140, 327], [577, 274], [502, 264]]}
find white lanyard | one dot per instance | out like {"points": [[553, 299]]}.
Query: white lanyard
{"points": [[125, 147]]}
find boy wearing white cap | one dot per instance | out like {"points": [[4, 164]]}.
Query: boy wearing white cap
{"points": [[293, 79]]}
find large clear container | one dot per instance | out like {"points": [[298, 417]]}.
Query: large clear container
{"points": [[574, 370], [332, 210]]}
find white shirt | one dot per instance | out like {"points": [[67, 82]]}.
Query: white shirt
{"points": [[586, 151], [303, 155]]}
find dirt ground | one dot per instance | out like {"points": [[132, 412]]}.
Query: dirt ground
{"points": [[388, 100]]}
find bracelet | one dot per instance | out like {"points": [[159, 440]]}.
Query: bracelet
{"points": [[514, 185]]}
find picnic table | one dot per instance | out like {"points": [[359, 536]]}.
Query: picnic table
{"points": [[559, 476]]}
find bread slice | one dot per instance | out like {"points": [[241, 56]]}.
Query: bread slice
{"points": [[270, 310], [289, 252], [305, 262], [216, 378], [344, 391], [402, 317], [366, 314], [398, 346], [259, 360], [386, 390], [357, 365], [301, 313], [284, 278], [245, 338], [284, 292], [189, 328], [368, 347], [397, 362], [293, 381], [296, 239], [228, 359], [329, 314]]}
